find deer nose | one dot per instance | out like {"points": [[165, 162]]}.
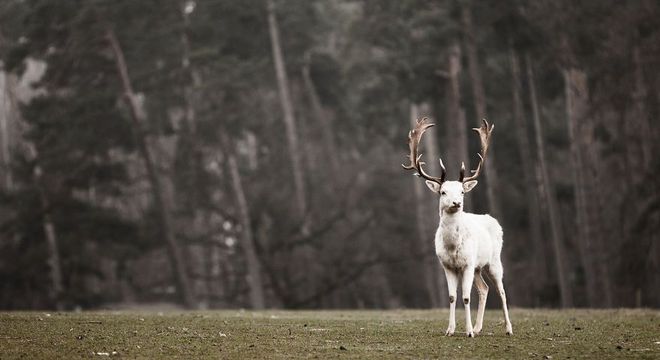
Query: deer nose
{"points": [[457, 204]]}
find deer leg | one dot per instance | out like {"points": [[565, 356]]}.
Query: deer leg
{"points": [[497, 273], [482, 288], [452, 285], [468, 278]]}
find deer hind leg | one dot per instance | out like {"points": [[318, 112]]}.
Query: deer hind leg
{"points": [[497, 274], [452, 285], [468, 279], [482, 288]]}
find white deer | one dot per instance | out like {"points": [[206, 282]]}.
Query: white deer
{"points": [[466, 244]]}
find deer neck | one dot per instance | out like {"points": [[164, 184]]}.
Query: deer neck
{"points": [[450, 224]]}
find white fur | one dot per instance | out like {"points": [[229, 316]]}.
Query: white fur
{"points": [[466, 244]]}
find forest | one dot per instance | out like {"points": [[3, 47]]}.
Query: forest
{"points": [[247, 153]]}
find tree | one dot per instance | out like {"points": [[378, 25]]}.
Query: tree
{"points": [[456, 125], [322, 116], [549, 196], [479, 98], [257, 299], [529, 174], [430, 270], [284, 93], [50, 233], [138, 117]]}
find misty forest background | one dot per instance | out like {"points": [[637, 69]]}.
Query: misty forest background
{"points": [[232, 153]]}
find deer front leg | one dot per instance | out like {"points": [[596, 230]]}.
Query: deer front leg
{"points": [[468, 277], [452, 285]]}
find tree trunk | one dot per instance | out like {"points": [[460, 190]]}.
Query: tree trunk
{"points": [[425, 232], [53, 254], [138, 117], [9, 119], [640, 132], [193, 76], [556, 227], [6, 108], [430, 142], [640, 144], [5, 181], [456, 128], [189, 147], [188, 163], [529, 174], [287, 107], [255, 283], [9, 109], [576, 90], [323, 117], [433, 267], [480, 106], [54, 263]]}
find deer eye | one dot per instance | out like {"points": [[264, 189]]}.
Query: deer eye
{"points": [[443, 193], [462, 192]]}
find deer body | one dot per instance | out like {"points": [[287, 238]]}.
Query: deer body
{"points": [[466, 244], [467, 240]]}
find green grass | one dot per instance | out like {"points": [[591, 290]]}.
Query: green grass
{"points": [[328, 334]]}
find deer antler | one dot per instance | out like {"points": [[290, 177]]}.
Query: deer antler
{"points": [[414, 137], [484, 135]]}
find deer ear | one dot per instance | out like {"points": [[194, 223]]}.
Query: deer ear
{"points": [[434, 186], [469, 185]]}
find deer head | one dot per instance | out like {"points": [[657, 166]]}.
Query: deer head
{"points": [[451, 192]]}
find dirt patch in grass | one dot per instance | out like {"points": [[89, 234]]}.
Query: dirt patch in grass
{"points": [[538, 334]]}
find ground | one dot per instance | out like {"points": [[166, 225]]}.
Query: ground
{"points": [[538, 334]]}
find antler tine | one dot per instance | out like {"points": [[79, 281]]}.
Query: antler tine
{"points": [[414, 137], [484, 132], [444, 171]]}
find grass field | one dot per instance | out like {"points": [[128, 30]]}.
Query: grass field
{"points": [[538, 334]]}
